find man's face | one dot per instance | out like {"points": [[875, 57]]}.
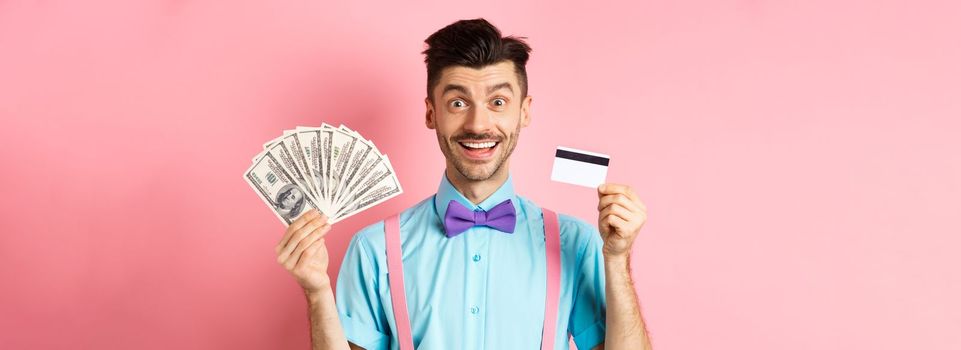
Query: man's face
{"points": [[478, 114]]}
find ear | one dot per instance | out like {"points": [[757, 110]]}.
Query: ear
{"points": [[430, 122], [526, 111]]}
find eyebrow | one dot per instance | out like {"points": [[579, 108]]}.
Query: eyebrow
{"points": [[463, 90], [500, 86], [454, 87]]}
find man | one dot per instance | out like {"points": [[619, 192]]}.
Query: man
{"points": [[484, 287]]}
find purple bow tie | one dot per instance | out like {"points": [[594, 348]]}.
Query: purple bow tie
{"points": [[458, 218]]}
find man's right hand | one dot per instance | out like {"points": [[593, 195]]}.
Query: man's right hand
{"points": [[303, 253]]}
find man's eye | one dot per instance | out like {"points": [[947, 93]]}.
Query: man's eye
{"points": [[499, 102], [457, 104]]}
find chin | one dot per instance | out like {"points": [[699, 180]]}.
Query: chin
{"points": [[476, 172], [478, 177], [471, 169]]}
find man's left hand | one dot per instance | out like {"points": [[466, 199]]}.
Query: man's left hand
{"points": [[621, 216]]}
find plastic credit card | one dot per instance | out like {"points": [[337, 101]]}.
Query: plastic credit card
{"points": [[579, 167]]}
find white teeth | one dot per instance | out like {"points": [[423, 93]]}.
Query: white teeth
{"points": [[479, 145]]}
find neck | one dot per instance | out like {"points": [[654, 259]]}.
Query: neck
{"points": [[477, 191]]}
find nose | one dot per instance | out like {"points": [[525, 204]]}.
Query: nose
{"points": [[478, 121]]}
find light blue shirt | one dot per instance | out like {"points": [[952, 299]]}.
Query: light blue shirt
{"points": [[482, 289]]}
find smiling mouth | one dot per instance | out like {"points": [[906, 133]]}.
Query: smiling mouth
{"points": [[477, 145], [478, 150]]}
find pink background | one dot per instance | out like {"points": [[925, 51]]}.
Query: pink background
{"points": [[800, 160]]}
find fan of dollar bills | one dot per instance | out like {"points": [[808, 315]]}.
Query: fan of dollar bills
{"points": [[332, 169]]}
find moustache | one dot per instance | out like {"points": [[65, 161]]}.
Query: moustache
{"points": [[477, 137]]}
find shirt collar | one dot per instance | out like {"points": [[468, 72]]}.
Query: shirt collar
{"points": [[447, 192]]}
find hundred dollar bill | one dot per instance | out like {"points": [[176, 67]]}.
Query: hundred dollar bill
{"points": [[335, 169], [360, 154], [310, 140], [300, 158], [373, 197], [364, 170], [326, 148], [342, 147], [280, 152], [276, 187], [381, 185], [324, 139]]}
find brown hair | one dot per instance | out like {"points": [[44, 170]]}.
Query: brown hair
{"points": [[473, 43]]}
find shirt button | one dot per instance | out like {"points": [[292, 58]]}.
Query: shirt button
{"points": [[476, 257], [474, 310]]}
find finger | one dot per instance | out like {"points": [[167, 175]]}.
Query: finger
{"points": [[616, 210], [293, 237], [303, 220], [299, 238], [619, 198], [302, 261], [284, 247], [306, 242], [309, 253], [295, 255], [615, 221], [629, 191], [612, 188]]}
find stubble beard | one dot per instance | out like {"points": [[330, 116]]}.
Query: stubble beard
{"points": [[478, 172]]}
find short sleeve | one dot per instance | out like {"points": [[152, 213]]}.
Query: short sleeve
{"points": [[358, 300], [588, 312]]}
